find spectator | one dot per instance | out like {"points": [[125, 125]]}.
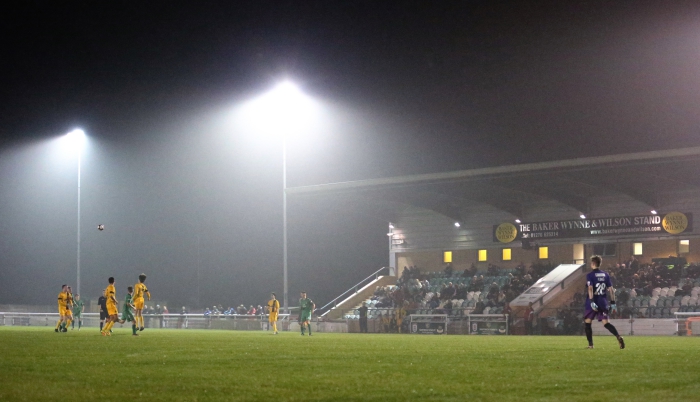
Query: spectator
{"points": [[363, 317], [181, 319], [479, 308], [251, 310], [529, 318], [448, 270]]}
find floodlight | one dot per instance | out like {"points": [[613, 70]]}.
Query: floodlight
{"points": [[517, 220], [582, 216], [457, 224], [653, 212], [76, 138]]}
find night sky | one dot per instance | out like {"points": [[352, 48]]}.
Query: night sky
{"points": [[407, 87]]}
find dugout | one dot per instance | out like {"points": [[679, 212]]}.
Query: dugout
{"points": [[635, 204]]}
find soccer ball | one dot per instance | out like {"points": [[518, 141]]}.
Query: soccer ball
{"points": [[100, 227]]}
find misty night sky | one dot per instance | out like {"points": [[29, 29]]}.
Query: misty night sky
{"points": [[411, 87]]}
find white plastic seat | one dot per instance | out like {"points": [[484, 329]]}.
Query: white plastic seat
{"points": [[663, 292], [671, 293], [633, 293], [693, 301], [470, 295], [684, 300], [655, 292], [487, 310]]}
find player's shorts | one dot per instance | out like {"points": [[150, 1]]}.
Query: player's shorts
{"points": [[305, 316], [61, 309], [67, 312], [103, 315], [127, 316], [272, 317], [77, 314], [138, 303], [112, 310], [601, 314]]}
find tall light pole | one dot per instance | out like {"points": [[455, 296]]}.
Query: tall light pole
{"points": [[77, 138], [284, 222], [282, 112]]}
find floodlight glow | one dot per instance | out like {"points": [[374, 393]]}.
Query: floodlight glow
{"points": [[76, 138], [391, 225], [284, 111], [517, 221], [457, 224], [582, 216], [389, 234], [653, 212]]}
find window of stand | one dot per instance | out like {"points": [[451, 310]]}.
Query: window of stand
{"points": [[683, 246], [507, 254], [637, 249], [544, 253], [483, 255], [447, 257]]}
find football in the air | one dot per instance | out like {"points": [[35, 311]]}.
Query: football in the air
{"points": [[100, 227]]}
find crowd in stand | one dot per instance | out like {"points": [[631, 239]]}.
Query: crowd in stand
{"points": [[450, 292]]}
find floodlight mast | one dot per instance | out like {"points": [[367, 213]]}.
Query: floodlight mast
{"points": [[284, 222], [279, 112], [77, 138]]}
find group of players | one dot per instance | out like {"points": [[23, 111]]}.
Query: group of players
{"points": [[71, 309], [306, 309]]}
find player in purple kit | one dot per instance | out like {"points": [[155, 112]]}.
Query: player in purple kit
{"points": [[597, 285]]}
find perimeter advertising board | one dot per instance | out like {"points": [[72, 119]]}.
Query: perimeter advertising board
{"points": [[488, 327], [672, 223], [428, 324]]}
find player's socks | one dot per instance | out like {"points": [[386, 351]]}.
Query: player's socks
{"points": [[58, 324], [102, 324], [309, 326], [80, 324], [68, 323], [274, 327], [133, 329], [612, 329], [589, 334]]}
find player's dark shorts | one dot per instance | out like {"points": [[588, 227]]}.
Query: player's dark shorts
{"points": [[601, 314], [103, 315]]}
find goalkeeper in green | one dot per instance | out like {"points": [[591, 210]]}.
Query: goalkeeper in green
{"points": [[128, 312]]}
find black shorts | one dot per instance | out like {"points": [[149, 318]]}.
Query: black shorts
{"points": [[103, 315]]}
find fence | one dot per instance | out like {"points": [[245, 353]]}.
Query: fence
{"points": [[459, 321], [174, 321]]}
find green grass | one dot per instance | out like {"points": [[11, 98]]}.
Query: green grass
{"points": [[38, 364]]}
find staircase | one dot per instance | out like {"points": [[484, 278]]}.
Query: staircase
{"points": [[553, 291], [354, 296]]}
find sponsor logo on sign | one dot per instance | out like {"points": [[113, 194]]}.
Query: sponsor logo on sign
{"points": [[506, 232], [675, 222]]}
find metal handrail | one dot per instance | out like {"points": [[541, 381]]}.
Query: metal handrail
{"points": [[540, 300], [355, 288]]}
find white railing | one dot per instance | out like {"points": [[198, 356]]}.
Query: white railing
{"points": [[174, 321]]}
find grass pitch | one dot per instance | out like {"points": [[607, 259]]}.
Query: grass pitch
{"points": [[38, 364]]}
